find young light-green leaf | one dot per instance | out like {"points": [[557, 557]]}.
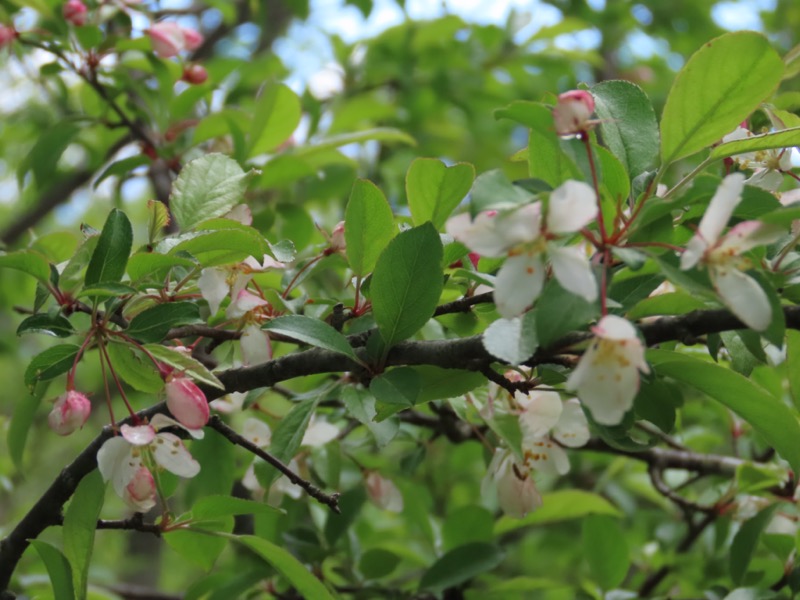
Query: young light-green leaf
{"points": [[307, 585], [369, 226], [113, 248], [561, 505], [745, 543], [207, 187], [434, 190], [720, 85], [28, 262], [606, 550], [770, 417], [407, 283], [277, 114], [628, 124], [312, 331], [786, 138], [57, 569], [80, 523]]}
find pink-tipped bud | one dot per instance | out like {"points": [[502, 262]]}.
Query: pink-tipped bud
{"points": [[338, 243], [167, 38], [140, 493], [69, 413], [75, 12], [195, 74], [187, 403], [192, 39], [7, 35], [384, 493], [571, 114]]}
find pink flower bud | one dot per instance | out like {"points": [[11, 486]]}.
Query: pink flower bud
{"points": [[168, 38], [192, 38], [384, 493], [69, 413], [571, 114], [75, 12], [7, 35], [187, 403], [140, 493], [338, 243], [195, 74]]}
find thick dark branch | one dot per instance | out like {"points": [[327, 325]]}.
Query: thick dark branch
{"points": [[331, 500], [463, 304]]}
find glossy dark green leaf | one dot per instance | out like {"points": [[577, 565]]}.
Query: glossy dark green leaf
{"points": [[558, 312], [745, 543], [25, 409], [56, 325], [152, 324], [377, 563], [113, 248], [312, 331], [286, 440], [400, 386], [461, 564], [199, 544], [134, 368], [50, 363]]}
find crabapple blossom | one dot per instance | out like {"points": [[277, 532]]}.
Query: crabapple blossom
{"points": [[607, 376], [70, 412], [124, 459], [169, 38], [721, 254], [192, 38], [516, 491], [766, 164], [524, 236], [571, 113], [75, 12], [216, 283], [187, 402], [7, 35], [383, 492]]}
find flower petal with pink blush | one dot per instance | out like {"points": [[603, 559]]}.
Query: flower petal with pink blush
{"points": [[170, 453], [140, 435], [747, 235], [230, 403], [742, 294], [541, 411], [116, 463], [384, 493], [256, 346], [572, 429], [572, 112], [70, 412], [516, 491], [573, 205], [518, 284], [140, 493], [573, 271], [720, 209], [612, 327], [243, 303], [213, 285], [187, 402], [192, 38], [257, 432], [168, 38]]}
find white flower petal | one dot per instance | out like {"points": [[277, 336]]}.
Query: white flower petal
{"points": [[516, 492], [720, 209], [745, 236], [141, 435], [518, 284], [117, 463], [521, 225], [572, 206], [573, 271], [243, 303], [257, 432], [612, 327], [541, 413], [544, 455], [694, 252], [213, 286], [255, 345], [572, 428], [319, 433], [170, 453], [742, 294], [481, 235], [161, 421]]}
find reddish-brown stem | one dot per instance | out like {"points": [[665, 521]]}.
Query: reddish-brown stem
{"points": [[357, 296], [637, 209], [601, 225], [81, 350], [107, 390], [791, 174], [118, 383], [300, 271]]}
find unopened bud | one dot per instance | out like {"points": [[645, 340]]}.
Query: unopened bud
{"points": [[7, 35], [195, 74], [192, 38], [571, 114], [75, 12], [69, 413], [167, 38], [140, 493], [187, 403], [338, 243]]}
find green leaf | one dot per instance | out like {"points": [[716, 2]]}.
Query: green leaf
{"points": [[407, 283], [378, 134], [152, 324], [286, 440], [720, 85], [672, 303], [113, 248], [400, 386], [56, 325], [122, 168], [376, 563], [512, 340], [21, 420], [350, 504], [214, 507], [157, 219], [461, 564], [80, 522], [104, 290], [202, 543], [493, 191], [50, 144], [786, 138], [793, 364], [152, 265], [187, 364], [438, 383], [314, 332], [368, 228], [51, 363], [57, 568], [28, 262], [306, 584], [558, 312], [467, 524], [277, 114], [606, 550], [217, 247], [563, 505], [745, 543], [628, 124], [434, 190], [770, 417], [134, 368], [207, 187]]}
